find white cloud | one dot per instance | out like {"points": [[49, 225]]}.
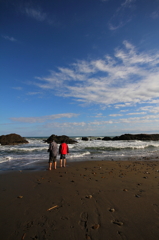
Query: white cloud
{"points": [[66, 125], [119, 25], [122, 15], [12, 39], [34, 93], [155, 14], [127, 78], [115, 115], [18, 88], [99, 115], [39, 15], [151, 109], [136, 113], [98, 125], [145, 119], [96, 128], [124, 111], [127, 3], [36, 14], [44, 118]]}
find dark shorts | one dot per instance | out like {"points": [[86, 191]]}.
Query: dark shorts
{"points": [[62, 156], [52, 158]]}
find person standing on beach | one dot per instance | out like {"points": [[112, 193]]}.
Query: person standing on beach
{"points": [[53, 149], [63, 150]]}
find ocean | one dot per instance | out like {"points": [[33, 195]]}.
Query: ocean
{"points": [[28, 156]]}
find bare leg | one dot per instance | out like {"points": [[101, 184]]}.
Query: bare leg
{"points": [[64, 162], [60, 162], [55, 163], [50, 165]]}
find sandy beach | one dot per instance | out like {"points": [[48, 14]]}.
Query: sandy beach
{"points": [[94, 200]]}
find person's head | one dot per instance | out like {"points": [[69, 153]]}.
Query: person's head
{"points": [[62, 141]]}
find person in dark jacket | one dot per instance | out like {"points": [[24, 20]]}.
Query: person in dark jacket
{"points": [[63, 150], [53, 149]]}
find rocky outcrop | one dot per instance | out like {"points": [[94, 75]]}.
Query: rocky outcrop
{"points": [[12, 139], [58, 139], [85, 138], [129, 137], [107, 139], [141, 137]]}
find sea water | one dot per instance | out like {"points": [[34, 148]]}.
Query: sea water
{"points": [[28, 156]]}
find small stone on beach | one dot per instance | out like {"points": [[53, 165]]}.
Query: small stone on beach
{"points": [[138, 196], [89, 196], [111, 210], [95, 226], [20, 196], [125, 190], [88, 237], [118, 222]]}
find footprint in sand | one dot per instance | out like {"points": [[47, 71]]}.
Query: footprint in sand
{"points": [[122, 235], [83, 221], [156, 207]]}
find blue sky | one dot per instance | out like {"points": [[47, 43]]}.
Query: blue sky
{"points": [[88, 67]]}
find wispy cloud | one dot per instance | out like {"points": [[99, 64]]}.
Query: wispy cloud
{"points": [[94, 125], [132, 124], [136, 113], [127, 3], [155, 14], [122, 15], [44, 118], [115, 115], [127, 78], [151, 109], [34, 93], [99, 115], [17, 88], [12, 39], [36, 14], [39, 15], [145, 119]]}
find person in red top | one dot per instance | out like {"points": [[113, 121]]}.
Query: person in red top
{"points": [[63, 150]]}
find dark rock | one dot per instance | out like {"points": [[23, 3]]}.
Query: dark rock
{"points": [[58, 139], [107, 139], [141, 137], [85, 138], [12, 139]]}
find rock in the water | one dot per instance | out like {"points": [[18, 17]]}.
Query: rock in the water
{"points": [[85, 138], [58, 139], [107, 139], [12, 139], [141, 137]]}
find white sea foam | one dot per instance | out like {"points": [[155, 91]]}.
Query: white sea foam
{"points": [[78, 155], [36, 150], [6, 159]]}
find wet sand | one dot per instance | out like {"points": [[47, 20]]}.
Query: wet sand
{"points": [[94, 200]]}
